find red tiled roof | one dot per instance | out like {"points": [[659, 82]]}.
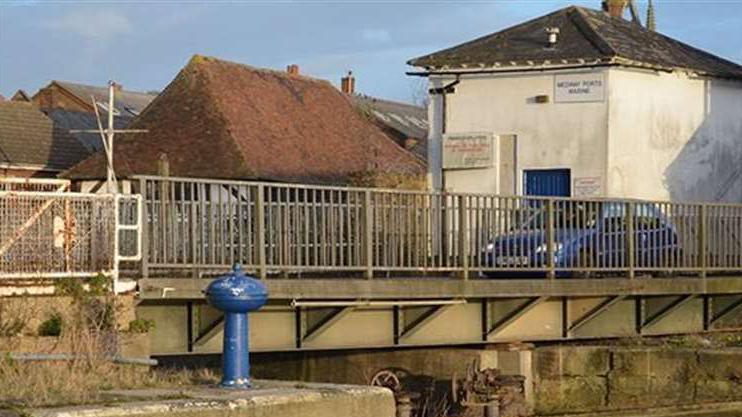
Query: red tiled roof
{"points": [[220, 119]]}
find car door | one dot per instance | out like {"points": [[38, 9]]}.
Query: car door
{"points": [[655, 238], [612, 235]]}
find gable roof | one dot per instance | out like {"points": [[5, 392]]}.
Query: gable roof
{"points": [[220, 119], [29, 138], [20, 95], [406, 120], [127, 103], [587, 38], [77, 120]]}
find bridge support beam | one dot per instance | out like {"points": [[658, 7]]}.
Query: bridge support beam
{"points": [[192, 326]]}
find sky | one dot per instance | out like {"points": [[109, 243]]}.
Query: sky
{"points": [[143, 44]]}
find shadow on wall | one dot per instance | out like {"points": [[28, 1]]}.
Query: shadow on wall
{"points": [[709, 166]]}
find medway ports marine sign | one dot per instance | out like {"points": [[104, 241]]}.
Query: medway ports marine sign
{"points": [[467, 150], [579, 88]]}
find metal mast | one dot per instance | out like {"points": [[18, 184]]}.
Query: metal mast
{"points": [[651, 18], [107, 135]]}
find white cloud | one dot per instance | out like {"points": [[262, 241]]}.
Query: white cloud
{"points": [[376, 35], [92, 24]]}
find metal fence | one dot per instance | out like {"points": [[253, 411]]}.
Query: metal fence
{"points": [[62, 234], [204, 226], [55, 234]]}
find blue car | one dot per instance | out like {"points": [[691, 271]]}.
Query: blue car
{"points": [[588, 236]]}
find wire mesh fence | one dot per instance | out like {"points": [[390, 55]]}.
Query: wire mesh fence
{"points": [[55, 234]]}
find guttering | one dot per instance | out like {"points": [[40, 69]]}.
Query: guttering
{"points": [[28, 167], [461, 72], [547, 66]]}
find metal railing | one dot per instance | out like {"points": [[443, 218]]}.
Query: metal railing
{"points": [[204, 226], [63, 234]]}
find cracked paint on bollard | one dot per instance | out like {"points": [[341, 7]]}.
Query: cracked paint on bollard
{"points": [[236, 294]]}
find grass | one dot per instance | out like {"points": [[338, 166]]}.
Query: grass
{"points": [[85, 381], [90, 332]]}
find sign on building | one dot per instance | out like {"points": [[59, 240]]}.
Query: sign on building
{"points": [[579, 88], [467, 150], [587, 186]]}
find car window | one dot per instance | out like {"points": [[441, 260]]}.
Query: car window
{"points": [[648, 216], [575, 216]]}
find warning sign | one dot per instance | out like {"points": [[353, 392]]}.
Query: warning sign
{"points": [[467, 150]]}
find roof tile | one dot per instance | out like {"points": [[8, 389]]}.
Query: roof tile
{"points": [[221, 119]]}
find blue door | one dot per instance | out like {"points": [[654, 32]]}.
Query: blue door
{"points": [[547, 182]]}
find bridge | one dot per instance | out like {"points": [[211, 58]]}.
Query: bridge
{"points": [[365, 268]]}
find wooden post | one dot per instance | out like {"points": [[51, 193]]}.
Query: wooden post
{"points": [[630, 240], [368, 235], [550, 239], [144, 266], [463, 237], [260, 231], [703, 240]]}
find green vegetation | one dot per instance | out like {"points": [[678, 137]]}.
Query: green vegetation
{"points": [[84, 327], [141, 326], [51, 326]]}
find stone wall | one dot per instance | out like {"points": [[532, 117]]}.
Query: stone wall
{"points": [[584, 379]]}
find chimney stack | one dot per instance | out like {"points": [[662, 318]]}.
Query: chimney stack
{"points": [[292, 69], [348, 83], [615, 8]]}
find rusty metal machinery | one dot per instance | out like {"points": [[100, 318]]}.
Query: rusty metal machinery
{"points": [[488, 392]]}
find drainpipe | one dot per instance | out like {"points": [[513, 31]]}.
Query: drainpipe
{"points": [[443, 91]]}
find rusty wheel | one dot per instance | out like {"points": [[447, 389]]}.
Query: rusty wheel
{"points": [[387, 378]]}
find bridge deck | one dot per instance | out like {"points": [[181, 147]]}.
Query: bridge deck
{"points": [[439, 288]]}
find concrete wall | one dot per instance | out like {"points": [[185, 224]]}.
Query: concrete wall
{"points": [[591, 379], [549, 135], [674, 137], [265, 399]]}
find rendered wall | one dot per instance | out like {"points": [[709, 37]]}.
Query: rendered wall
{"points": [[549, 135], [674, 137]]}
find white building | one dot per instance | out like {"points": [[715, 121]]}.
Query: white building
{"points": [[582, 103]]}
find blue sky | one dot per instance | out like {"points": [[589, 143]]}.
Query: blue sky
{"points": [[142, 44]]}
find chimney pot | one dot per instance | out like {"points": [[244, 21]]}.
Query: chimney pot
{"points": [[293, 69], [615, 8], [348, 83]]}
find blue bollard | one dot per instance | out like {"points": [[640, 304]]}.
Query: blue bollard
{"points": [[235, 294]]}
